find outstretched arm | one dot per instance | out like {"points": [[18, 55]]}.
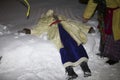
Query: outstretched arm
{"points": [[89, 11]]}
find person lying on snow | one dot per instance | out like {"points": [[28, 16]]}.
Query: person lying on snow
{"points": [[69, 37]]}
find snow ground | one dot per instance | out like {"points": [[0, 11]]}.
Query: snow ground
{"points": [[27, 57]]}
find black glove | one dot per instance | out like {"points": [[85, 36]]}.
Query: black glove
{"points": [[25, 30], [91, 30]]}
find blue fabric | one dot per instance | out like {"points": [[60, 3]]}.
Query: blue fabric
{"points": [[71, 51]]}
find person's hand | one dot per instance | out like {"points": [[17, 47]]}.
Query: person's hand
{"points": [[91, 30], [25, 30]]}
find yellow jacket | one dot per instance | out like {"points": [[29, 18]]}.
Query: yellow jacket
{"points": [[89, 11], [77, 30]]}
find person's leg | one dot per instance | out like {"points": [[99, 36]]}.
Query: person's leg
{"points": [[70, 72], [84, 66], [0, 58], [101, 46], [112, 50]]}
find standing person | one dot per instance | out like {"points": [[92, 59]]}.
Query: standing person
{"points": [[69, 37], [109, 26]]}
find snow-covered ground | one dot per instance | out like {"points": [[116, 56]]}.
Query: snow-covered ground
{"points": [[27, 57]]}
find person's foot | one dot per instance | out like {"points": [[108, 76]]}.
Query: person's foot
{"points": [[101, 55], [87, 74], [0, 58], [71, 73], [112, 62], [85, 68]]}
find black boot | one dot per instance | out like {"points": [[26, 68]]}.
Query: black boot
{"points": [[71, 73], [101, 55], [85, 68], [112, 62], [0, 58]]}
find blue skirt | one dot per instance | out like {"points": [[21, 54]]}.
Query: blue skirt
{"points": [[71, 52]]}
